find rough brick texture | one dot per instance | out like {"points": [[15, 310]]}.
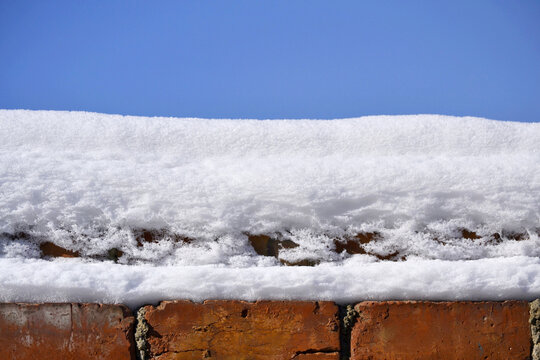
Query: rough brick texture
{"points": [[242, 330], [441, 330], [534, 319], [66, 331]]}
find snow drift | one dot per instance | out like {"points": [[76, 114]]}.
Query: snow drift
{"points": [[430, 187]]}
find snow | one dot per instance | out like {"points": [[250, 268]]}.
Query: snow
{"points": [[88, 182], [33, 280]]}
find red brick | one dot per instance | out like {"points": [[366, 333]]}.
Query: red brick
{"points": [[441, 330], [66, 331], [242, 330]]}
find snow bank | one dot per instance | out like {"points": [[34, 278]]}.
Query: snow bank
{"points": [[457, 198], [84, 181]]}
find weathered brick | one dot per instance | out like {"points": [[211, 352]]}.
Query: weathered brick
{"points": [[441, 330], [243, 330], [66, 331], [534, 320]]}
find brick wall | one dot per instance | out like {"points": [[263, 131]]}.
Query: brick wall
{"points": [[301, 330]]}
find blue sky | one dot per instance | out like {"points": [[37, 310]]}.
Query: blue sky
{"points": [[273, 59]]}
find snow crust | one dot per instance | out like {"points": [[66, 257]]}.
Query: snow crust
{"points": [[88, 182]]}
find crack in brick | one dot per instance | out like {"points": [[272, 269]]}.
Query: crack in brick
{"points": [[205, 352], [315, 351]]}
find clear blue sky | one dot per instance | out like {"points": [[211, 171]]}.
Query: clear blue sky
{"points": [[273, 59]]}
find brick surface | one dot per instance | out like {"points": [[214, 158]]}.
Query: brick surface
{"points": [[243, 330], [65, 331], [441, 330], [534, 320]]}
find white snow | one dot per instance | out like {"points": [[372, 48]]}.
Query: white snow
{"points": [[135, 285], [87, 181]]}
